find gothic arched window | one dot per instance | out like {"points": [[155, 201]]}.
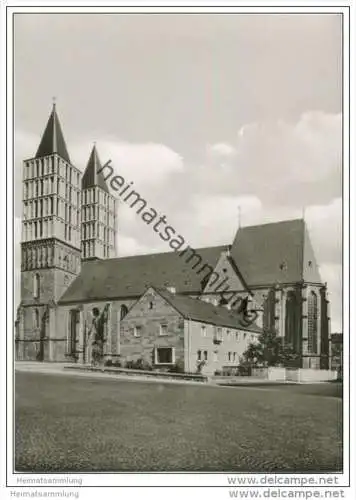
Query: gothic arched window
{"points": [[36, 318], [269, 311], [36, 286], [123, 311], [291, 315], [312, 323]]}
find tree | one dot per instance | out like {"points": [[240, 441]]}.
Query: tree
{"points": [[270, 351]]}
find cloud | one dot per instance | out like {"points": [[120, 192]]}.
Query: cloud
{"points": [[280, 155], [142, 163], [221, 149], [127, 245], [325, 227], [281, 162]]}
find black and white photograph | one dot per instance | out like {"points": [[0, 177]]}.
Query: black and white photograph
{"points": [[178, 245]]}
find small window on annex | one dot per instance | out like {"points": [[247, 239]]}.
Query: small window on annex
{"points": [[137, 331], [163, 329], [164, 356]]}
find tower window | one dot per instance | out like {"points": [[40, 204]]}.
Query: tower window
{"points": [[36, 318], [36, 286]]}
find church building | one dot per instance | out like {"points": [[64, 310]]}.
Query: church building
{"points": [[69, 268]]}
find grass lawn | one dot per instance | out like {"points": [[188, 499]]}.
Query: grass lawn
{"points": [[69, 423]]}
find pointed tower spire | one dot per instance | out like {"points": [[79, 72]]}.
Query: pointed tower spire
{"points": [[91, 176], [99, 226], [52, 139]]}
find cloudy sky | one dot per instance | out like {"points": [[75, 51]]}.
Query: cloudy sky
{"points": [[203, 113]]}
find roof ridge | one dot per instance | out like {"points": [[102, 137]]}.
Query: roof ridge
{"points": [[230, 314], [263, 224], [169, 252]]}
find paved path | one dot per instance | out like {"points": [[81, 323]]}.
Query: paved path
{"points": [[59, 369]]}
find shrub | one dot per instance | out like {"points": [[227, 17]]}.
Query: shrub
{"points": [[200, 365], [244, 370], [115, 364], [139, 364], [217, 372]]}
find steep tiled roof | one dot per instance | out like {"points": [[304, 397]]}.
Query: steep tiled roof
{"points": [[205, 312], [264, 255], [273, 253], [52, 139], [91, 177], [130, 276]]}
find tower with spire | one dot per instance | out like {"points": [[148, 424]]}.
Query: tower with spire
{"points": [[50, 246], [67, 218], [98, 235]]}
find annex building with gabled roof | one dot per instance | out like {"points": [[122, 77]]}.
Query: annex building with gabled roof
{"points": [[69, 267]]}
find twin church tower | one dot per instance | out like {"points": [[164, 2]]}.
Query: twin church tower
{"points": [[67, 217]]}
